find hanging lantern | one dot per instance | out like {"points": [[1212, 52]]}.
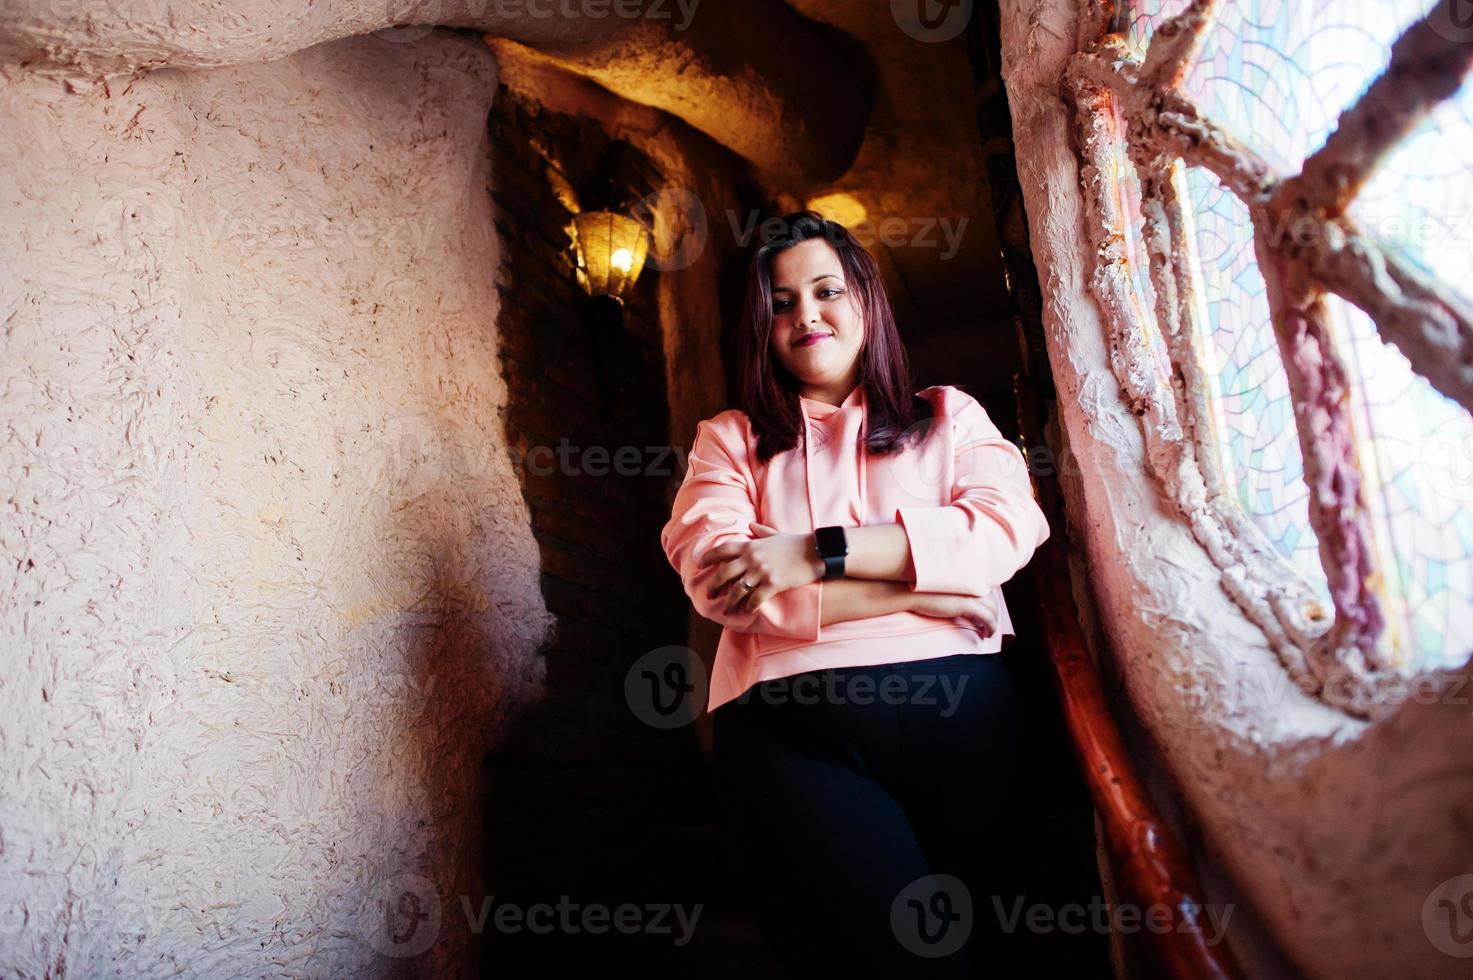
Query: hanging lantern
{"points": [[611, 252]]}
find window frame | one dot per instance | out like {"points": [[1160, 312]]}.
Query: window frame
{"points": [[1131, 116]]}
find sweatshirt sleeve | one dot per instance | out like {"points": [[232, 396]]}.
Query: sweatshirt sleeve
{"points": [[992, 526], [715, 505]]}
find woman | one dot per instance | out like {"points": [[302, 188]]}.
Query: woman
{"points": [[851, 536]]}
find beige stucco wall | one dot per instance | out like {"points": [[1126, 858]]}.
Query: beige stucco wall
{"points": [[1333, 834], [269, 587]]}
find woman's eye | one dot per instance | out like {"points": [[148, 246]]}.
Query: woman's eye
{"points": [[781, 305]]}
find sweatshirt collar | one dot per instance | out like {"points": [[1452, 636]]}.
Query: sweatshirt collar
{"points": [[821, 410]]}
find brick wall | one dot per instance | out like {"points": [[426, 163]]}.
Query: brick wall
{"points": [[585, 800]]}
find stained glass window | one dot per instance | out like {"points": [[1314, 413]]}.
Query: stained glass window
{"points": [[1249, 391], [1138, 21], [1420, 201], [1277, 75], [1416, 447]]}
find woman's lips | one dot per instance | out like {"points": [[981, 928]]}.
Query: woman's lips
{"points": [[810, 339]]}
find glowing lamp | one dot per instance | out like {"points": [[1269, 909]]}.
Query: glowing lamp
{"points": [[611, 252]]}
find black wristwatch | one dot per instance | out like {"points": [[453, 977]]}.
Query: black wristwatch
{"points": [[832, 546]]}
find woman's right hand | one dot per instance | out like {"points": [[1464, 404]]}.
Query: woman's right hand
{"points": [[979, 611]]}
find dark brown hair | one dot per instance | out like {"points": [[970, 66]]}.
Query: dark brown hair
{"points": [[768, 393]]}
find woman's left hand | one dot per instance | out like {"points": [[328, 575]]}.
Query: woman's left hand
{"points": [[771, 563]]}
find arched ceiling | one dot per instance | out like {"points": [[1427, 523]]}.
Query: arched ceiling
{"points": [[830, 99]]}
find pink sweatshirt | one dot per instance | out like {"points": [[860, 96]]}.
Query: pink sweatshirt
{"points": [[965, 502]]}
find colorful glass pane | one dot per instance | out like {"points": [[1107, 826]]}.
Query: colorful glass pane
{"points": [[1416, 458], [1248, 389], [1278, 73], [1420, 200], [1138, 21]]}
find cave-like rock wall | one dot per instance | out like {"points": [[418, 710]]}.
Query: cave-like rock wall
{"points": [[270, 586]]}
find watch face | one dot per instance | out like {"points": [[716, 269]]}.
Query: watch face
{"points": [[831, 541]]}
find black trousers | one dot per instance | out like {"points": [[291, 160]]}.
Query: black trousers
{"points": [[870, 816]]}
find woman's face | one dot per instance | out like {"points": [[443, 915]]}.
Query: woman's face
{"points": [[811, 300]]}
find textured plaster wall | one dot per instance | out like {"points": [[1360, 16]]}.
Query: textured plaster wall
{"points": [[1332, 832], [269, 590]]}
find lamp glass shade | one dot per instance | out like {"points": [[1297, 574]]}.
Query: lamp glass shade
{"points": [[611, 251]]}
